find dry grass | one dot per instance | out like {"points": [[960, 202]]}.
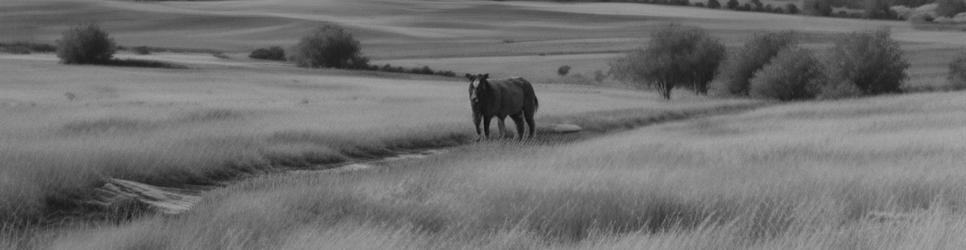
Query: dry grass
{"points": [[64, 133], [877, 173]]}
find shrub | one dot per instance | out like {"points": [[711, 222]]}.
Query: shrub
{"points": [[141, 50], [754, 55], [26, 47], [949, 8], [791, 8], [699, 5], [957, 72], [714, 4], [599, 76], [85, 44], [871, 61], [733, 4], [274, 53], [563, 70], [792, 75], [757, 5], [328, 47], [670, 59], [879, 9], [817, 7]]}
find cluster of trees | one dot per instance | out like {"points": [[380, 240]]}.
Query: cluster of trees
{"points": [[871, 9], [770, 65], [333, 47], [755, 5], [677, 56]]}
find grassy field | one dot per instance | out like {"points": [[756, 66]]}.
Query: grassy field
{"points": [[877, 173], [63, 133], [448, 35], [870, 173]]}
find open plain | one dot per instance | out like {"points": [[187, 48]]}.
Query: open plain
{"points": [[694, 172]]}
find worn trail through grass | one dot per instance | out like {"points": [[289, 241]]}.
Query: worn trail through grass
{"points": [[176, 200]]}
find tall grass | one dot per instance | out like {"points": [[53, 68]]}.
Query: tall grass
{"points": [[877, 173], [197, 127]]}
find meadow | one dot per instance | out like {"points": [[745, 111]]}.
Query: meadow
{"points": [[877, 173], [872, 173]]}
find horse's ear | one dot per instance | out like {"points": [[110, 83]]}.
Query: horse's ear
{"points": [[485, 76], [469, 76]]}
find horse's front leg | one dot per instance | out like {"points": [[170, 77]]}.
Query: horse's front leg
{"points": [[486, 126], [476, 124], [500, 119]]}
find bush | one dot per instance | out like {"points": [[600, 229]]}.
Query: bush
{"points": [[755, 54], [757, 5], [871, 61], [274, 53], [949, 8], [328, 47], [699, 5], [672, 58], [818, 7], [957, 72], [563, 70], [714, 4], [85, 44], [879, 9], [599, 76], [26, 47], [791, 8], [793, 74], [747, 7], [141, 50], [733, 4]]}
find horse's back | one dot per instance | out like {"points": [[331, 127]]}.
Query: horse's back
{"points": [[516, 94]]}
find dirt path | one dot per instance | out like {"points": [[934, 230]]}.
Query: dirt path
{"points": [[125, 195]]}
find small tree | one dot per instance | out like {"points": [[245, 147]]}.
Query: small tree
{"points": [[757, 5], [818, 7], [949, 8], [563, 70], [714, 4], [85, 44], [754, 55], [957, 72], [275, 53], [733, 4], [328, 47], [879, 9], [791, 8], [792, 75], [705, 62], [871, 61], [672, 58]]}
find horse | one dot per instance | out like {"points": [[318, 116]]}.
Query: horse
{"points": [[513, 97]]}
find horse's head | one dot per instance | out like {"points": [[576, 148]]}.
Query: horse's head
{"points": [[478, 86]]}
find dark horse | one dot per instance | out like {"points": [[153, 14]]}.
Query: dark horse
{"points": [[512, 97]]}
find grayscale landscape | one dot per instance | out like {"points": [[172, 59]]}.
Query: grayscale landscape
{"points": [[350, 124]]}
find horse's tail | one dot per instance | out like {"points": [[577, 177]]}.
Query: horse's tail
{"points": [[528, 89]]}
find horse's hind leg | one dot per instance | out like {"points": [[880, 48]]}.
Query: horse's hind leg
{"points": [[518, 120], [528, 115]]}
